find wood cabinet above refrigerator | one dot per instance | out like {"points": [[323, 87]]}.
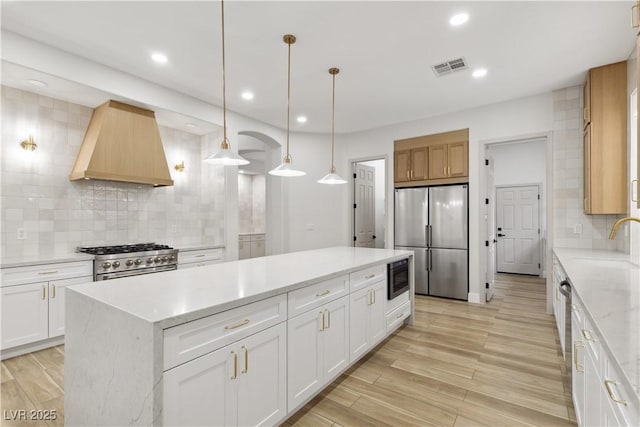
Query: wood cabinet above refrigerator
{"points": [[441, 158]]}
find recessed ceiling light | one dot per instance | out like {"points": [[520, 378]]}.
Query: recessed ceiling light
{"points": [[37, 83], [459, 19], [159, 58], [480, 72], [189, 125], [301, 119], [247, 95]]}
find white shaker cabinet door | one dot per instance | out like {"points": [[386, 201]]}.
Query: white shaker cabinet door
{"points": [[358, 326], [262, 380], [335, 343], [56, 303], [377, 318], [24, 314], [304, 352], [201, 392], [593, 394]]}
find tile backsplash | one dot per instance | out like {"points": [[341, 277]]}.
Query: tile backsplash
{"points": [[568, 170], [58, 215], [251, 203]]}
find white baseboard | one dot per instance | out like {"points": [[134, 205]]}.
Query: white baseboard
{"points": [[29, 348], [475, 297]]}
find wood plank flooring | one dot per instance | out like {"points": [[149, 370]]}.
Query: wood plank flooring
{"points": [[462, 364]]}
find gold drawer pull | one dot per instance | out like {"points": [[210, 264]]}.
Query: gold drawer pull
{"points": [[607, 384], [587, 335], [323, 293], [371, 276], [576, 346], [235, 365], [237, 325], [199, 256], [246, 360], [42, 273]]}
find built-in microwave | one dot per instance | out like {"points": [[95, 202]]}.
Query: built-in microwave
{"points": [[397, 278]]}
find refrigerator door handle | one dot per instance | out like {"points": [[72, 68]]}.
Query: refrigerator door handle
{"points": [[430, 235], [428, 256], [430, 259], [427, 235]]}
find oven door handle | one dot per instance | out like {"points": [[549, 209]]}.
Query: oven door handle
{"points": [[120, 274]]}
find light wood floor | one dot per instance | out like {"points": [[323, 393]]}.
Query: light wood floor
{"points": [[460, 365]]}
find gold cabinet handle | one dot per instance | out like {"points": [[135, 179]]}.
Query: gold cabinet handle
{"points": [[328, 318], [370, 276], [634, 13], [246, 360], [323, 293], [322, 321], [44, 292], [373, 293], [53, 291], [444, 171], [576, 346], [408, 174], [411, 174], [634, 193], [237, 325], [235, 365], [587, 335], [607, 384], [199, 256], [574, 307], [43, 273], [369, 302]]}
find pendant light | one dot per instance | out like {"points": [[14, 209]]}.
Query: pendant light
{"points": [[286, 168], [332, 177], [225, 156]]}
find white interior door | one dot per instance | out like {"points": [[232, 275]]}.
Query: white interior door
{"points": [[491, 231], [518, 229], [364, 211]]}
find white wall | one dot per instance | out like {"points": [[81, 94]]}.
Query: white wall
{"points": [[532, 115], [380, 202]]}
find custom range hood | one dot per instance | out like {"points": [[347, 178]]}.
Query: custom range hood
{"points": [[122, 144]]}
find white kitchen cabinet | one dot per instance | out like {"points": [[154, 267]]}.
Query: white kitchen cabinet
{"points": [[251, 245], [368, 324], [243, 383], [318, 349], [577, 367], [244, 250], [24, 314], [199, 257], [33, 308], [593, 395], [257, 248]]}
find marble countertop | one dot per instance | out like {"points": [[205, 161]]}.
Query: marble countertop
{"points": [[175, 297], [9, 262], [608, 286]]}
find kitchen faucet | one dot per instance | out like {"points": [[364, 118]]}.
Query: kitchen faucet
{"points": [[614, 230]]}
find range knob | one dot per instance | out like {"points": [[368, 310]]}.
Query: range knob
{"points": [[164, 259], [138, 261], [106, 265], [129, 262], [149, 261], [172, 258], [116, 264], [157, 260]]}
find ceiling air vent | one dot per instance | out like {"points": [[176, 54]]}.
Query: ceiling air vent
{"points": [[449, 67]]}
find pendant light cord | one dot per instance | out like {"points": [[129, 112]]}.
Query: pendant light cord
{"points": [[225, 142], [333, 115], [288, 97]]}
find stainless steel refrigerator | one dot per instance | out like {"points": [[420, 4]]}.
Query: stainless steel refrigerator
{"points": [[433, 223]]}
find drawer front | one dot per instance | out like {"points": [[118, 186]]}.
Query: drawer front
{"points": [[47, 272], [257, 237], [620, 396], [185, 342], [313, 296], [184, 265], [397, 316], [244, 238], [363, 278], [397, 302], [199, 256]]}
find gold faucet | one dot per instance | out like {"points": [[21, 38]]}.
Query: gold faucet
{"points": [[614, 230]]}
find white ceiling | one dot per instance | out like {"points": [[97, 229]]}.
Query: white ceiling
{"points": [[385, 51]]}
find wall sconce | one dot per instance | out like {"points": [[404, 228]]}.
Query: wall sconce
{"points": [[28, 144], [179, 167]]}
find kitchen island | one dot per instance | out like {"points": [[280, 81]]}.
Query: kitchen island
{"points": [[237, 343]]}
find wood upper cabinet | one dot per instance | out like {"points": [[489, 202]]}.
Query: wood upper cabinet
{"points": [[411, 165], [432, 159], [605, 140]]}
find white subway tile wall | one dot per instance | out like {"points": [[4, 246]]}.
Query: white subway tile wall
{"points": [[568, 189], [58, 215], [251, 203]]}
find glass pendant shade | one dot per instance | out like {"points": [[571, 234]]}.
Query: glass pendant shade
{"points": [[286, 169], [226, 157]]}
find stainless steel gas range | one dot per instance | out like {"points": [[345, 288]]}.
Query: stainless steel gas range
{"points": [[112, 262]]}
